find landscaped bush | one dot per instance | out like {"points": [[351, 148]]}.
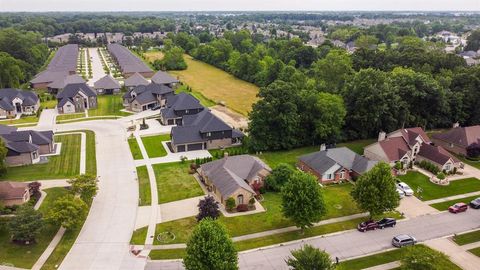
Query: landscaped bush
{"points": [[230, 204], [428, 166], [441, 175], [242, 207]]}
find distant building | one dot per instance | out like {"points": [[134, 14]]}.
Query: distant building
{"points": [[135, 80], [161, 77], [129, 64]]}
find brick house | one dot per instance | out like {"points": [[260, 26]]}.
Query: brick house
{"points": [[14, 193], [335, 164], [458, 139], [178, 106], [76, 98], [144, 97]]}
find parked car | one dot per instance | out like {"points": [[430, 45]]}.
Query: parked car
{"points": [[386, 222], [400, 193], [475, 204], [156, 107], [405, 188], [367, 226], [458, 208], [403, 240]]}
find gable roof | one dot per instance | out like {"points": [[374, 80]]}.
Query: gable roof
{"points": [[162, 77], [462, 136], [322, 161], [231, 173], [147, 93], [71, 90], [410, 135], [180, 102], [395, 148], [64, 62], [135, 80], [128, 62], [26, 141], [107, 82], [66, 80], [12, 190], [4, 129], [7, 95], [436, 154]]}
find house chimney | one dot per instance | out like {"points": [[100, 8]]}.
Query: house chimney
{"points": [[456, 125], [381, 136], [323, 147]]}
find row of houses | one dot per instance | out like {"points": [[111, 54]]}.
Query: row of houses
{"points": [[128, 63]]}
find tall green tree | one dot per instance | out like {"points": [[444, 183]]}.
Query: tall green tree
{"points": [[172, 60], [424, 259], [26, 224], [302, 200], [85, 186], [310, 258], [333, 71], [11, 71], [473, 41], [3, 155], [375, 191], [280, 175], [68, 212], [210, 247]]}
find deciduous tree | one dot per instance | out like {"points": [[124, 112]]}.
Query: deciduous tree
{"points": [[26, 224], [85, 186], [310, 258], [68, 212], [279, 176], [208, 208]]}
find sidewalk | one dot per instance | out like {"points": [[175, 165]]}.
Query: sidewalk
{"points": [[50, 248], [451, 198], [457, 254], [386, 266]]}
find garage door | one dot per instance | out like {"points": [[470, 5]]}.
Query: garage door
{"points": [[170, 122], [180, 148], [195, 146]]}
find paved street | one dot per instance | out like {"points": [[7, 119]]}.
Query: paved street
{"points": [[97, 67], [352, 243]]}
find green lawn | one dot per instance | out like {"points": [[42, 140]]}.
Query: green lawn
{"points": [[391, 256], [153, 145], [66, 165], [108, 105], [26, 256], [444, 205], [66, 117], [91, 166], [144, 186], [433, 191], [337, 198], [23, 120], [467, 238], [475, 251], [175, 183], [134, 148]]}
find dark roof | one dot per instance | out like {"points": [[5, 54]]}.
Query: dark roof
{"points": [[161, 77], [38, 137], [20, 147], [72, 89], [48, 76], [12, 190], [436, 154], [395, 147], [180, 102], [126, 60], [135, 80], [60, 83], [147, 93], [230, 173], [462, 136], [107, 82], [322, 161], [7, 129], [7, 95], [64, 62]]}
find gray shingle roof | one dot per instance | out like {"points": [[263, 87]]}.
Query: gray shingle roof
{"points": [[72, 89], [231, 173], [60, 83], [147, 93], [107, 82], [7, 95], [7, 129], [135, 80], [323, 160], [126, 60], [180, 102], [162, 77], [19, 141], [64, 62]]}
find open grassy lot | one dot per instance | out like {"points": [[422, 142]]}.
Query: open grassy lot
{"points": [[22, 120], [175, 183], [65, 165], [65, 117], [144, 186], [153, 145], [134, 148], [217, 85], [444, 205], [26, 256], [391, 256], [467, 238], [432, 191], [108, 105], [337, 198], [153, 55]]}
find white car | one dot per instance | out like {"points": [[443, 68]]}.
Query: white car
{"points": [[400, 192], [405, 188]]}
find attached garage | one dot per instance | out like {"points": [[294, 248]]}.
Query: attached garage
{"points": [[170, 122], [194, 146], [181, 148]]}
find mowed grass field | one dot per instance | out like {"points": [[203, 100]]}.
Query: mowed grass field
{"points": [[153, 55], [108, 105], [217, 85]]}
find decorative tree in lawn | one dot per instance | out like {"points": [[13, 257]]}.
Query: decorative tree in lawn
{"points": [[424, 259], [25, 225], [85, 186], [34, 188], [208, 208], [230, 204], [68, 212], [210, 247], [279, 176], [308, 258], [3, 155], [375, 191], [302, 200]]}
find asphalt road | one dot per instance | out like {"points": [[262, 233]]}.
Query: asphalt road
{"points": [[352, 243]]}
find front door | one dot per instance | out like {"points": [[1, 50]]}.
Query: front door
{"points": [[240, 199]]}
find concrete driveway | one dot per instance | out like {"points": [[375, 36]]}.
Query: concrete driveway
{"points": [[352, 243], [412, 207], [97, 67]]}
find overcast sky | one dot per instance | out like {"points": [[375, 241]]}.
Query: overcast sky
{"points": [[227, 5]]}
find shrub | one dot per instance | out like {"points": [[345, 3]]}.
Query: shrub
{"points": [[428, 166], [251, 201], [230, 204], [242, 208], [473, 151], [441, 175]]}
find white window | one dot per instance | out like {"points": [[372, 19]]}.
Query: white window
{"points": [[329, 176], [342, 175], [209, 134]]}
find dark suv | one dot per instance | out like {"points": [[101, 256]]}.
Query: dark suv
{"points": [[403, 240], [386, 222], [367, 226]]}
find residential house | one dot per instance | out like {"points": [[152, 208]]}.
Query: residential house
{"points": [[25, 147], [203, 131], [59, 84], [335, 164], [233, 177], [107, 85], [76, 98], [144, 97], [15, 101], [135, 80], [458, 139], [409, 145], [177, 106], [14, 193], [162, 77], [128, 63]]}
